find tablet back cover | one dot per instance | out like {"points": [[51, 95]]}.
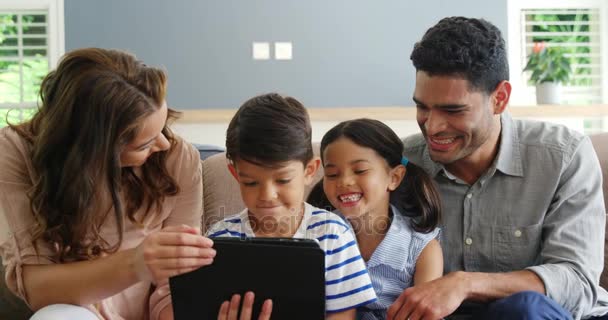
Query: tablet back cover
{"points": [[291, 272]]}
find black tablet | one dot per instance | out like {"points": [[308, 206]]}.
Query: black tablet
{"points": [[289, 271]]}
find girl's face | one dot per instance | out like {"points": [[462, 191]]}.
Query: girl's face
{"points": [[357, 180]]}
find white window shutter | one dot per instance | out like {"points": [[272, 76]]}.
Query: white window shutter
{"points": [[24, 56], [31, 42], [577, 31]]}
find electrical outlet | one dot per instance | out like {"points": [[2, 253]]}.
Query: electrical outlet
{"points": [[261, 51], [283, 51]]}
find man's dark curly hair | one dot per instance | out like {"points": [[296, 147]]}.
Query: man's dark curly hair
{"points": [[470, 48]]}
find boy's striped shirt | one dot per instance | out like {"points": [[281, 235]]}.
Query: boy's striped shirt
{"points": [[347, 283]]}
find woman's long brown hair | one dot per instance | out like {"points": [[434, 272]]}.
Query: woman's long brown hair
{"points": [[91, 107]]}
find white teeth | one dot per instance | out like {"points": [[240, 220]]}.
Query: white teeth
{"points": [[443, 141], [351, 197]]}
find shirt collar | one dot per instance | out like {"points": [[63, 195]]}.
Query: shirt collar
{"points": [[246, 224], [508, 159], [300, 232], [393, 251], [307, 215]]}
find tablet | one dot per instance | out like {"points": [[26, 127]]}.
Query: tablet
{"points": [[289, 271]]}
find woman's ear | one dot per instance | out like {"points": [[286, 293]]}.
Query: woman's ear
{"points": [[311, 169], [396, 175]]}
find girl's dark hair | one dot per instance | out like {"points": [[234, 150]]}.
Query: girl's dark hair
{"points": [[91, 107], [268, 130], [417, 191], [318, 198]]}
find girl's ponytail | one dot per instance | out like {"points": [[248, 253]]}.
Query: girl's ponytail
{"points": [[418, 194]]}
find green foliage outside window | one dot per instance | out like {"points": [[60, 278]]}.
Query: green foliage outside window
{"points": [[20, 79], [15, 116], [548, 65], [575, 28]]}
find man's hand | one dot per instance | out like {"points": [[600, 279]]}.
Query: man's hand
{"points": [[430, 300]]}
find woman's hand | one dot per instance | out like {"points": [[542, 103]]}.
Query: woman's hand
{"points": [[171, 251], [230, 309]]}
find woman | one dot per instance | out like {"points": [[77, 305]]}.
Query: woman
{"points": [[99, 202]]}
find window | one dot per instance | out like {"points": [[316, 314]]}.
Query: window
{"points": [[31, 42], [576, 26]]}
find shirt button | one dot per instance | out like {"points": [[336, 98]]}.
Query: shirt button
{"points": [[468, 241], [517, 233], [470, 195]]}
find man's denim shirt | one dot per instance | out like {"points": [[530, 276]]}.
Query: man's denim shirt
{"points": [[538, 207]]}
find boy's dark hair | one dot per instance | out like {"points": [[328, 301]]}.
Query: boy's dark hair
{"points": [[268, 130], [416, 193], [470, 48]]}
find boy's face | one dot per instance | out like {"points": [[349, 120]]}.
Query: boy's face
{"points": [[274, 193]]}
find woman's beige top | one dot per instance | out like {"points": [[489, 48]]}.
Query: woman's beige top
{"points": [[17, 221]]}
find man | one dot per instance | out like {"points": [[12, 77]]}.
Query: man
{"points": [[523, 224]]}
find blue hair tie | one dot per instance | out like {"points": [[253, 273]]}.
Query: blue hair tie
{"points": [[404, 161]]}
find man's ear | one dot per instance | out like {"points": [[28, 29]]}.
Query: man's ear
{"points": [[311, 169], [397, 174], [233, 172], [500, 96]]}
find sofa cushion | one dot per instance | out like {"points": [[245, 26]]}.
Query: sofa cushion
{"points": [[11, 307], [207, 150], [221, 194]]}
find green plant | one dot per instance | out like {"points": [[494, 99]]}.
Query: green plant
{"points": [[15, 116], [548, 64]]}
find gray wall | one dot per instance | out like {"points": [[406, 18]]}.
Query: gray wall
{"points": [[346, 52]]}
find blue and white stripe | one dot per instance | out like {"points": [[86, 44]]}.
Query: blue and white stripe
{"points": [[393, 263], [348, 284]]}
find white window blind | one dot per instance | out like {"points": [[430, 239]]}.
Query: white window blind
{"points": [[31, 42], [24, 56], [577, 32]]}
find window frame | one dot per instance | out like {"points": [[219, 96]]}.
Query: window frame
{"points": [[55, 36], [514, 7]]}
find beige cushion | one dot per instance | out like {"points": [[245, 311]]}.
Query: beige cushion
{"points": [[221, 194]]}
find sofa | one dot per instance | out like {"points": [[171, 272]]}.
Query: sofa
{"points": [[221, 194], [221, 197]]}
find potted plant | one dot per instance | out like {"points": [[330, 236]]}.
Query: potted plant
{"points": [[550, 68]]}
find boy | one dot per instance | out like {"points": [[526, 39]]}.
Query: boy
{"points": [[268, 145]]}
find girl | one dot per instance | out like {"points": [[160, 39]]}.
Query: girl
{"points": [[392, 205], [99, 202]]}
